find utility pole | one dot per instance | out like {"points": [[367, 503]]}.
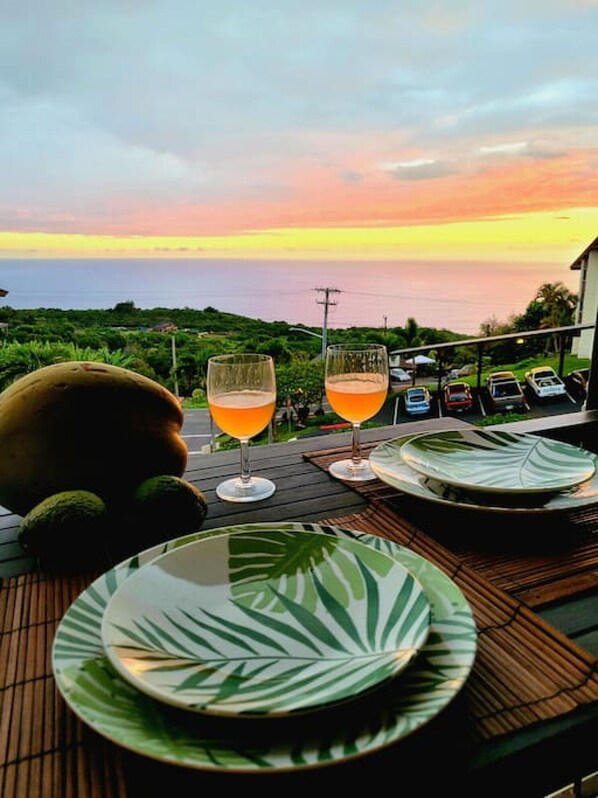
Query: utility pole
{"points": [[327, 302], [174, 374]]}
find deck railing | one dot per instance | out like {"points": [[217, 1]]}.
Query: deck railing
{"points": [[564, 334]]}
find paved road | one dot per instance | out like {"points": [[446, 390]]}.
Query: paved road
{"points": [[197, 430]]}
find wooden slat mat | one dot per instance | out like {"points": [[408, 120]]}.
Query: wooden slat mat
{"points": [[525, 670], [537, 561], [44, 749]]}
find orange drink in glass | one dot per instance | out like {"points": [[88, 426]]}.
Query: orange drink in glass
{"points": [[356, 397], [242, 414], [356, 383], [241, 392]]}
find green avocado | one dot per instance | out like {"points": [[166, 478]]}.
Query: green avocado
{"points": [[166, 507], [65, 530]]}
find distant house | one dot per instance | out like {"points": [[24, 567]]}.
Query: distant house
{"points": [[587, 308], [164, 326]]}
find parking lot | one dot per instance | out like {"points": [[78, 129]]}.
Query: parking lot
{"points": [[394, 411]]}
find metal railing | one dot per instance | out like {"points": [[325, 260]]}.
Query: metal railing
{"points": [[563, 333]]}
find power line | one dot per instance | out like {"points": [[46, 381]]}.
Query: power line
{"points": [[439, 300]]}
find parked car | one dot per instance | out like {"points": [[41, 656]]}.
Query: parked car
{"points": [[505, 391], [399, 376], [577, 382], [417, 400], [544, 382], [458, 397]]}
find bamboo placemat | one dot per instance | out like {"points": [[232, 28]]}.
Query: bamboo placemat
{"points": [[537, 561], [525, 672], [45, 752], [525, 669]]}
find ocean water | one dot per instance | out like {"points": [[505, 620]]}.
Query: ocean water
{"points": [[456, 296]]}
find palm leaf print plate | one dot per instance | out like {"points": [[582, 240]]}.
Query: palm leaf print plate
{"points": [[498, 461], [387, 463], [111, 706], [265, 624]]}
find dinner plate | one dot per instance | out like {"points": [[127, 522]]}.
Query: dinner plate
{"points": [[387, 463], [267, 624], [496, 461], [111, 706]]}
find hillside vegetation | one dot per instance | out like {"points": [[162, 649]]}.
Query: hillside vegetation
{"points": [[165, 343], [172, 346]]}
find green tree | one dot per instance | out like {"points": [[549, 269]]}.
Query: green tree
{"points": [[412, 333], [553, 305], [125, 308], [492, 326], [300, 384]]}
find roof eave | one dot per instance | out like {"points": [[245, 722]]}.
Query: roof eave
{"points": [[577, 262]]}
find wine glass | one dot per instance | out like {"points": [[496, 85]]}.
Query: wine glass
{"points": [[242, 396], [356, 386]]}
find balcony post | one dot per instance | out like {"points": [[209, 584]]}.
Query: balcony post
{"points": [[480, 348], [592, 396], [564, 343]]}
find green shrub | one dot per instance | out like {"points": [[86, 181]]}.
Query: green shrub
{"points": [[500, 418]]}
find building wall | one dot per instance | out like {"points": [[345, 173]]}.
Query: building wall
{"points": [[588, 293]]}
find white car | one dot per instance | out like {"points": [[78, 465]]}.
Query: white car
{"points": [[545, 382], [399, 375]]}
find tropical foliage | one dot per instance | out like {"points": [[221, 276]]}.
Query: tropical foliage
{"points": [[16, 359], [172, 346], [553, 306], [300, 386]]}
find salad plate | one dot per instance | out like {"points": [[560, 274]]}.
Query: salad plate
{"points": [[265, 625], [388, 464], [496, 461], [110, 705]]}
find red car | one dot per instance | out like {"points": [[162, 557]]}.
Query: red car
{"points": [[458, 397]]}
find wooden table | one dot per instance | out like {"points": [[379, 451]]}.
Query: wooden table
{"points": [[525, 724]]}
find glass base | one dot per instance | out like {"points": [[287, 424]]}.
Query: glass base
{"points": [[234, 490], [348, 471]]}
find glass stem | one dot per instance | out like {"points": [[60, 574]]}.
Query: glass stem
{"points": [[356, 446], [245, 469]]}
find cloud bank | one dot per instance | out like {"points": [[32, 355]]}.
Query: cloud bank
{"points": [[142, 117]]}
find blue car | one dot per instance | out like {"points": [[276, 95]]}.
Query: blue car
{"points": [[417, 400]]}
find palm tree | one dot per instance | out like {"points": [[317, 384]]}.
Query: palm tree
{"points": [[558, 304], [412, 332]]}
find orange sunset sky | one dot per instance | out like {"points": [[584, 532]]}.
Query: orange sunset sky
{"points": [[304, 130]]}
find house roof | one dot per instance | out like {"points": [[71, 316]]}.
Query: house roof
{"points": [[577, 262], [164, 326]]}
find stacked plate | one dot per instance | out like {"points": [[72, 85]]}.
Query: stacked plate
{"points": [[180, 652], [489, 469]]}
